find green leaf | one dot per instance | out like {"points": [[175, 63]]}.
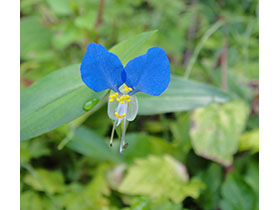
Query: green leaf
{"points": [[212, 177], [34, 36], [54, 100], [160, 177], [132, 47], [216, 130], [181, 95], [58, 98], [249, 141], [90, 144], [51, 180], [237, 195]]}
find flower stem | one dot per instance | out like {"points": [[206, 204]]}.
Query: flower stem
{"points": [[123, 135], [112, 134]]}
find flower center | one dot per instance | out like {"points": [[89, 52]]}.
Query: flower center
{"points": [[121, 99]]}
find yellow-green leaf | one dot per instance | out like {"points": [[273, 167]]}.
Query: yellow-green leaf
{"points": [[160, 177], [216, 130]]}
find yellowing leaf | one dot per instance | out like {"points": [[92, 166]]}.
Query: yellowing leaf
{"points": [[216, 130], [249, 141], [160, 177]]}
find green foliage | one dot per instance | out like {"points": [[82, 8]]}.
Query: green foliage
{"points": [[33, 37], [237, 194], [194, 147], [43, 179], [93, 196], [212, 177]]}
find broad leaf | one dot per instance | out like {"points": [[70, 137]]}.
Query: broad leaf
{"points": [[216, 130], [181, 95], [160, 177]]}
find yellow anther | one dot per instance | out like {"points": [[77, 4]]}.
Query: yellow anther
{"points": [[114, 96], [126, 96], [122, 98], [128, 100], [122, 102], [127, 88], [120, 116]]}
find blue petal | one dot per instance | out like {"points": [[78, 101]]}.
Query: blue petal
{"points": [[149, 73], [101, 69]]}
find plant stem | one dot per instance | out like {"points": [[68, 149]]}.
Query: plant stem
{"points": [[191, 35], [199, 46], [224, 67], [99, 19]]}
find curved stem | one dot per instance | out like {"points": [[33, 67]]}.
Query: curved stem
{"points": [[197, 49]]}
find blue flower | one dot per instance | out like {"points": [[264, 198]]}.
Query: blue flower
{"points": [[148, 73]]}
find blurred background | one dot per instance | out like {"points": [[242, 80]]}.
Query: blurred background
{"points": [[165, 165]]}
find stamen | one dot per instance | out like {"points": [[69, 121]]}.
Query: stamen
{"points": [[122, 146], [120, 116], [114, 96], [112, 134], [126, 88]]}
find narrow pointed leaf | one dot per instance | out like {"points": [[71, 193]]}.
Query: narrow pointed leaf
{"points": [[181, 95]]}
